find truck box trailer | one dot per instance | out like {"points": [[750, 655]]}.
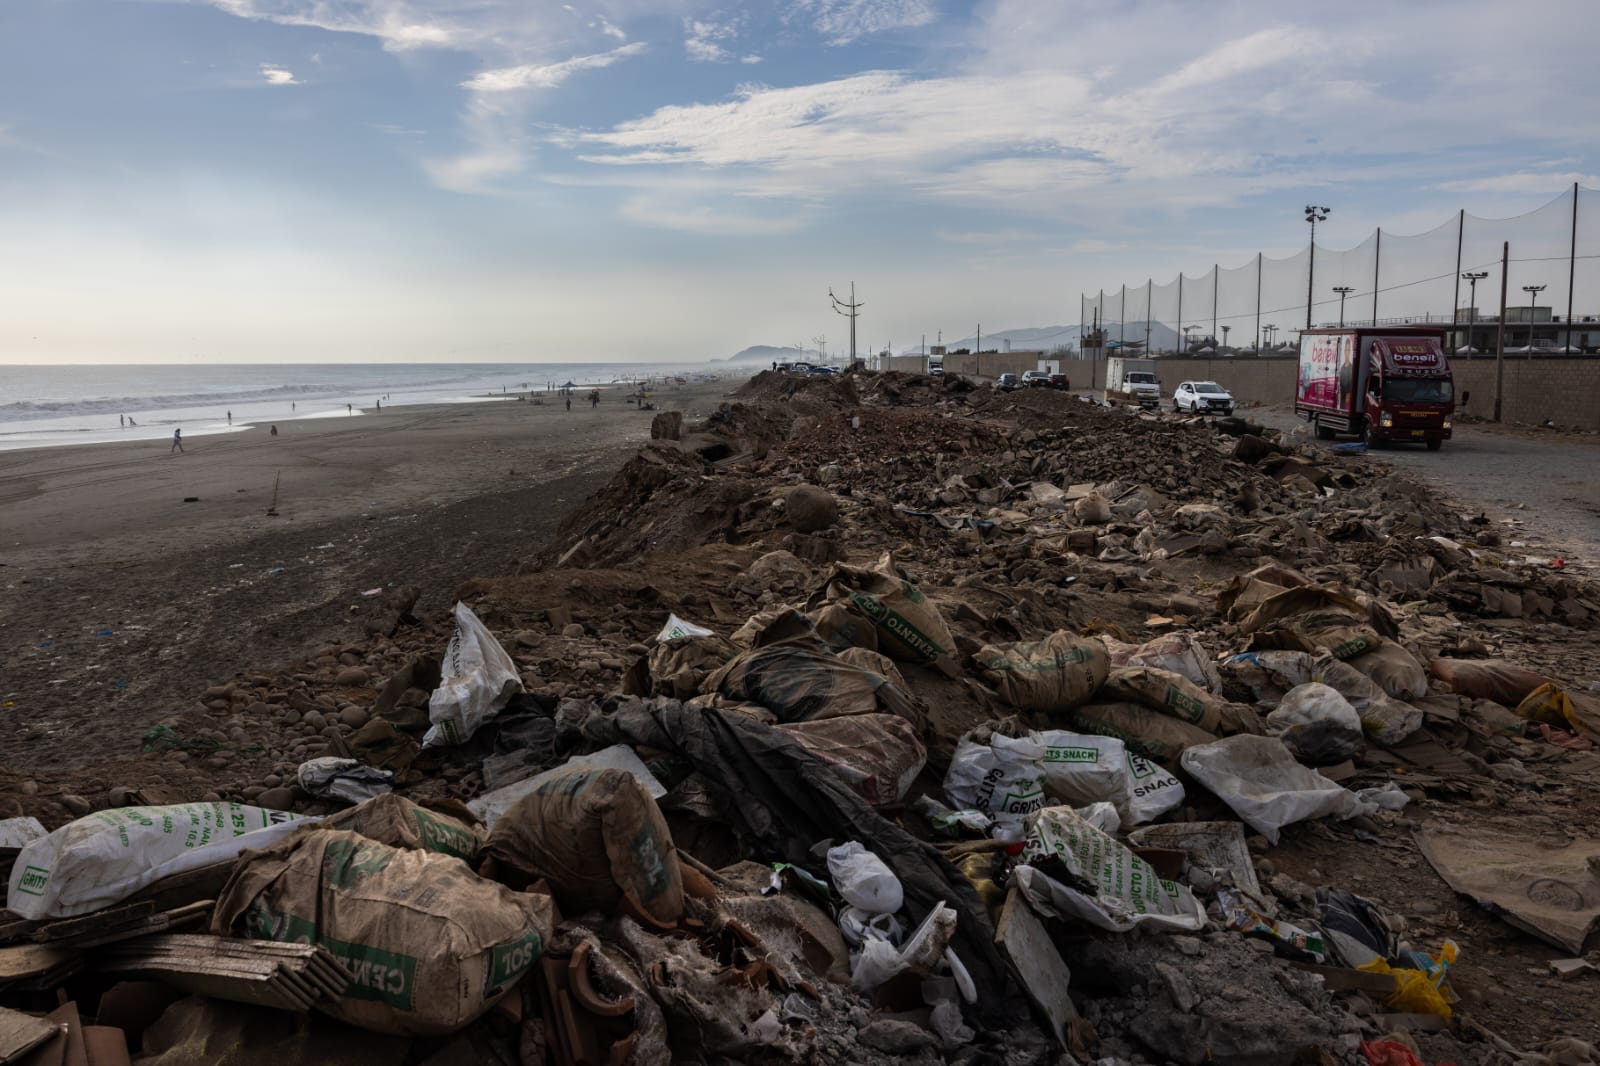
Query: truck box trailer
{"points": [[1387, 385], [1132, 381]]}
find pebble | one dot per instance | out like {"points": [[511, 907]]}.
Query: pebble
{"points": [[272, 780], [29, 787], [353, 677], [572, 630], [219, 761], [315, 722], [76, 805], [354, 717], [118, 796], [211, 797], [276, 799], [896, 1037]]}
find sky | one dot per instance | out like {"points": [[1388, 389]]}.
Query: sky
{"points": [[524, 180]]}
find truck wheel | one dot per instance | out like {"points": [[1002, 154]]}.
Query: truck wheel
{"points": [[1371, 439], [1435, 445], [1323, 432]]}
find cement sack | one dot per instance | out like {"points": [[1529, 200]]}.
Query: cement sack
{"points": [[1052, 675], [877, 755], [348, 780], [429, 944], [1003, 778], [1171, 694], [842, 628], [104, 858], [492, 806], [1259, 778], [399, 823], [479, 679], [910, 629], [1488, 679], [1178, 653], [677, 629], [1395, 670], [1384, 720], [1083, 769], [803, 681], [679, 667], [1145, 732], [1121, 892], [599, 839], [877, 663], [1317, 724]]}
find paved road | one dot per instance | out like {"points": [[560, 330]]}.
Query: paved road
{"points": [[1547, 482]]}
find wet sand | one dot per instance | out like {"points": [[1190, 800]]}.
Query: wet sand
{"points": [[115, 592]]}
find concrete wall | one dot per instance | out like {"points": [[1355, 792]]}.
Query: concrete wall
{"points": [[1562, 389]]}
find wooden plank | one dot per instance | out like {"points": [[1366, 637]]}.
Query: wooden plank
{"points": [[20, 1033]]}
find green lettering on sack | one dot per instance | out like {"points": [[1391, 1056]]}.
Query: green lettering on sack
{"points": [[1188, 707], [445, 838], [897, 626], [34, 878], [1072, 755], [386, 977], [650, 860], [346, 862], [509, 961]]}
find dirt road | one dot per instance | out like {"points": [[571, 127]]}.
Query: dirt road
{"points": [[1541, 487]]}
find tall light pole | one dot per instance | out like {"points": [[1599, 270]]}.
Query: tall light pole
{"points": [[1314, 215], [1343, 291], [1225, 330], [1533, 292], [1472, 278], [1186, 331]]}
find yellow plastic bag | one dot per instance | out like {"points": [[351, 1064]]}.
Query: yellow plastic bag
{"points": [[1552, 705], [1419, 991]]}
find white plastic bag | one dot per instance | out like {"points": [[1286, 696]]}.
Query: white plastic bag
{"points": [[1259, 778], [479, 679], [330, 777], [863, 879], [1003, 778], [923, 951], [104, 858], [1127, 893], [1081, 768], [677, 627], [1317, 724], [859, 926], [1179, 653]]}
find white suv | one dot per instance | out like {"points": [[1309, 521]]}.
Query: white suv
{"points": [[1202, 398]]}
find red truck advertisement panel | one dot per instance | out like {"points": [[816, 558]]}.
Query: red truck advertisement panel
{"points": [[1327, 371], [1410, 355]]}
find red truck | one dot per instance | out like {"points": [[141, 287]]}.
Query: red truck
{"points": [[1383, 385]]}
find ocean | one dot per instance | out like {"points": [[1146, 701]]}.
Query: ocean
{"points": [[59, 405]]}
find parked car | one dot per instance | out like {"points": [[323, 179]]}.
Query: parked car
{"points": [[936, 371], [1007, 382], [1059, 381], [1036, 379], [824, 370], [1202, 398]]}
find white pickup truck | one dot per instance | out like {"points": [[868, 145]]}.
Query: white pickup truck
{"points": [[1132, 381]]}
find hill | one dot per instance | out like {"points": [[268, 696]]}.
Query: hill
{"points": [[767, 353]]}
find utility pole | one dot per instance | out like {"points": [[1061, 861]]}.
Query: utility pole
{"points": [[1500, 333], [1314, 215], [852, 311], [1343, 291], [1473, 277], [1533, 292]]}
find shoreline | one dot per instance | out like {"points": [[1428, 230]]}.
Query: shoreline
{"points": [[120, 602]]}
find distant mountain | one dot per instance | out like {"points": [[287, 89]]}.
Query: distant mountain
{"points": [[766, 353]]}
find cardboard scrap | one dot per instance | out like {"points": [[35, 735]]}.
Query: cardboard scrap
{"points": [[20, 1033], [1543, 888], [1035, 963]]}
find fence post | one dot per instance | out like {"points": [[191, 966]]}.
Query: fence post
{"points": [[1258, 303], [1572, 267], [1500, 332], [1377, 258], [1455, 301]]}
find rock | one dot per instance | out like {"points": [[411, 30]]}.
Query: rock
{"points": [[272, 780], [211, 797], [354, 717], [117, 796], [314, 722], [778, 570], [29, 787], [810, 509], [572, 631], [76, 805], [276, 799], [896, 1037], [1177, 985], [353, 677]]}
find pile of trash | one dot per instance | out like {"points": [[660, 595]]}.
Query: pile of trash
{"points": [[869, 720]]}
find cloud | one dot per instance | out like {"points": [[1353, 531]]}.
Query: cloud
{"points": [[546, 75], [473, 172], [845, 21], [991, 236], [397, 23], [719, 221], [276, 75], [611, 31], [702, 40], [1524, 181]]}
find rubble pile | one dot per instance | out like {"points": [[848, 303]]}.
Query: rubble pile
{"points": [[869, 720]]}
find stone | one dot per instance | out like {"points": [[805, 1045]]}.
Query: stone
{"points": [[896, 1037], [117, 796], [272, 780], [1177, 985], [353, 677], [572, 630], [76, 805], [810, 509], [354, 717], [276, 799]]}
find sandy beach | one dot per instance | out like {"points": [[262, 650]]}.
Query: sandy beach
{"points": [[132, 577]]}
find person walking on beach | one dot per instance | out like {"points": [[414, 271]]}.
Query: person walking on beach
{"points": [[177, 441], [569, 401], [230, 418], [274, 431], [594, 398], [122, 420], [349, 408]]}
